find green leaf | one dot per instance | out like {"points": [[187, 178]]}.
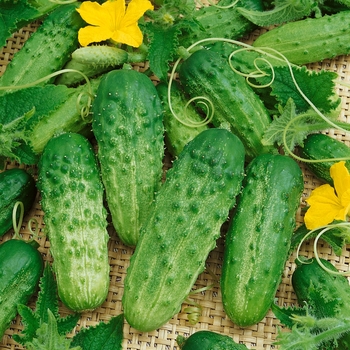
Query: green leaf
{"points": [[162, 48], [283, 11], [12, 135], [48, 338], [30, 322], [319, 88], [291, 128], [285, 314], [46, 305], [105, 336], [16, 14]]}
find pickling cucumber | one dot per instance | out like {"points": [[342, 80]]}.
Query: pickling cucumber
{"points": [[21, 266], [182, 228], [259, 236], [128, 126], [75, 220]]}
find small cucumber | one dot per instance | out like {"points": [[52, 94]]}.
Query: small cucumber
{"points": [[21, 266], [236, 106], [47, 49], [182, 227], [311, 39], [75, 220], [208, 340], [177, 134], [322, 146], [127, 124], [328, 295], [259, 236], [16, 184]]}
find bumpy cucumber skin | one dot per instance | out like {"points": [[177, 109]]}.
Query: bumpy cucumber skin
{"points": [[75, 220], [236, 106], [182, 228], [322, 146], [177, 134], [259, 236], [311, 39], [21, 266], [207, 340], [214, 22], [15, 185], [47, 50], [127, 124], [327, 294]]}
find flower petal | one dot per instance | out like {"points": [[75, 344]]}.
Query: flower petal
{"points": [[90, 34], [94, 13], [325, 206], [135, 10], [116, 13], [131, 35], [341, 178]]}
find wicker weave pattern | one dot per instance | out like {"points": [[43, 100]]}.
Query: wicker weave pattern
{"points": [[260, 336]]}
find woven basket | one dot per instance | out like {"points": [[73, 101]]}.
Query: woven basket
{"points": [[260, 336]]}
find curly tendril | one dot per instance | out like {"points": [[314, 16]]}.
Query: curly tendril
{"points": [[195, 310], [17, 224], [323, 230], [259, 73]]}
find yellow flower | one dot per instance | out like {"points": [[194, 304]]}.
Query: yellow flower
{"points": [[327, 203], [110, 21]]}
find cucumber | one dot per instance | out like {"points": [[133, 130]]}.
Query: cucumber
{"points": [[208, 340], [16, 184], [127, 124], [182, 227], [236, 106], [328, 295], [216, 22], [322, 146], [311, 39], [259, 236], [47, 50], [21, 266], [177, 134], [75, 220]]}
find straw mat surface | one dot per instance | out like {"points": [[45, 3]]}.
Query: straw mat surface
{"points": [[260, 336]]}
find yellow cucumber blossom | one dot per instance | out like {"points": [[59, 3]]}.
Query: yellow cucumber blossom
{"points": [[112, 21], [327, 203]]}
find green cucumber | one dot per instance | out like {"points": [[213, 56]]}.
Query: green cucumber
{"points": [[327, 295], [21, 266], [311, 39], [236, 106], [177, 134], [47, 49], [215, 22], [259, 236], [322, 146], [182, 228], [75, 220], [208, 340], [127, 124], [16, 185]]}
